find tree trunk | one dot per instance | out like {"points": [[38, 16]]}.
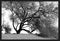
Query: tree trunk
{"points": [[21, 25]]}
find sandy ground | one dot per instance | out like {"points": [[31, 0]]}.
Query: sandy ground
{"points": [[22, 36]]}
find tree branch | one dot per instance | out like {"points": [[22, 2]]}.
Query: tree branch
{"points": [[14, 26], [36, 12], [25, 14], [17, 25], [27, 30]]}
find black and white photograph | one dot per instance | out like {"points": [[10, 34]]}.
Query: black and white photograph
{"points": [[34, 20]]}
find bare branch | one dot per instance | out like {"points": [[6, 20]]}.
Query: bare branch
{"points": [[36, 12], [27, 30], [14, 26], [17, 25], [25, 14]]}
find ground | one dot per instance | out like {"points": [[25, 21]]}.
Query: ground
{"points": [[22, 36]]}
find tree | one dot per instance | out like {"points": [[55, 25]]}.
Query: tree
{"points": [[23, 17], [40, 18]]}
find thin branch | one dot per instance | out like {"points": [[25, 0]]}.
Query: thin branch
{"points": [[25, 14], [17, 15], [33, 30], [36, 12], [17, 25], [32, 17], [14, 26], [27, 31]]}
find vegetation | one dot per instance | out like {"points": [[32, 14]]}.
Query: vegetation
{"points": [[41, 18]]}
